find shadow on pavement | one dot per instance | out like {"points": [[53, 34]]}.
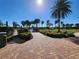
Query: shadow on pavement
{"points": [[75, 40], [17, 39]]}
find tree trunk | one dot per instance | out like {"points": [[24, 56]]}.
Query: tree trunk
{"points": [[29, 26], [58, 24], [36, 25]]}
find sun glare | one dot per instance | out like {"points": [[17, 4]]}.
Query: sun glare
{"points": [[39, 2]]}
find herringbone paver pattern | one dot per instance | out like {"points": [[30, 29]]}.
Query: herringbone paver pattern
{"points": [[41, 47]]}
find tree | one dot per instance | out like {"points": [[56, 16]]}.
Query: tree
{"points": [[1, 23], [48, 23], [67, 26], [64, 26], [15, 24], [77, 25], [6, 23], [62, 23], [37, 21], [28, 23], [61, 10], [71, 25], [33, 22], [42, 22], [56, 23], [23, 23]]}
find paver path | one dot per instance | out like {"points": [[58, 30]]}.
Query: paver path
{"points": [[41, 47], [76, 34], [15, 32]]}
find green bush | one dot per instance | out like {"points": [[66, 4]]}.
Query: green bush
{"points": [[3, 29], [54, 34], [23, 30], [10, 38], [10, 31], [69, 34], [25, 35], [2, 41]]}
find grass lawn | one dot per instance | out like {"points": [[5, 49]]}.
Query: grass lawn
{"points": [[62, 30]]}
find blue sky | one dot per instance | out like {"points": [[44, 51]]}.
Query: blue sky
{"points": [[18, 10]]}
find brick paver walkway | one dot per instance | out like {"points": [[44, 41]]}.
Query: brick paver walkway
{"points": [[41, 47]]}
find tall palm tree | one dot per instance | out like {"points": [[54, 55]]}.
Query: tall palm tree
{"points": [[33, 23], [62, 23], [77, 25], [48, 23], [37, 21], [23, 23], [15, 24], [71, 25], [67, 25], [28, 23], [1, 23], [56, 23], [61, 10], [6, 23], [42, 22]]}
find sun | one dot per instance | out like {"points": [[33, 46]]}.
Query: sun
{"points": [[39, 2]]}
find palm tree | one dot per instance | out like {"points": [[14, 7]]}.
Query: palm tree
{"points": [[48, 23], [37, 21], [71, 25], [15, 24], [61, 10], [67, 26], [64, 26], [33, 23], [62, 23], [1, 23], [23, 23], [6, 23], [28, 23], [42, 22], [56, 23], [77, 25]]}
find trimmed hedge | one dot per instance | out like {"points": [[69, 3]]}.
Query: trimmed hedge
{"points": [[3, 29], [10, 31], [57, 35], [25, 35], [2, 41]]}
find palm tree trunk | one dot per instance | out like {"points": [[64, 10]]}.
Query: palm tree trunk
{"points": [[36, 25], [42, 25], [55, 25], [58, 24], [29, 26]]}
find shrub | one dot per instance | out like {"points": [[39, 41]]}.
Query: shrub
{"points": [[10, 38], [54, 34], [9, 31], [2, 41], [69, 35], [25, 35], [3, 29], [23, 30]]}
